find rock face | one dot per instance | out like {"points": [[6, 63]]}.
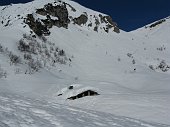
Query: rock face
{"points": [[82, 19], [57, 14], [36, 26], [59, 11], [41, 26], [108, 20], [41, 11], [157, 23]]}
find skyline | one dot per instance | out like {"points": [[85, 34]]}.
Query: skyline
{"points": [[129, 15]]}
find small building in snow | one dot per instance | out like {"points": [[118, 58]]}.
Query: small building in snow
{"points": [[83, 94]]}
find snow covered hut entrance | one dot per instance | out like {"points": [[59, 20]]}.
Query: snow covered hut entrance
{"points": [[83, 94], [76, 91]]}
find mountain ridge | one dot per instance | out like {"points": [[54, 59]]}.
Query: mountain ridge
{"points": [[129, 70]]}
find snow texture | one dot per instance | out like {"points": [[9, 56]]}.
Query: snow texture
{"points": [[127, 69]]}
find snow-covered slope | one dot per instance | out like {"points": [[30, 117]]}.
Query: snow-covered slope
{"points": [[16, 111], [43, 53]]}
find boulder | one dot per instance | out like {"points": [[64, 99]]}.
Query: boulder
{"points": [[82, 19]]}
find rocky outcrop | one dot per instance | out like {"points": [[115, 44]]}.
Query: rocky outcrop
{"points": [[41, 11], [108, 20], [72, 8], [41, 26], [48, 23], [61, 18], [59, 11], [36, 26], [157, 23], [116, 29], [97, 23], [82, 19]]}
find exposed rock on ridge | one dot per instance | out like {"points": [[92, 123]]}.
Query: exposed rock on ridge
{"points": [[57, 14]]}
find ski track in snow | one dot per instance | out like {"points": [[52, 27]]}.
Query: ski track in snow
{"points": [[17, 111]]}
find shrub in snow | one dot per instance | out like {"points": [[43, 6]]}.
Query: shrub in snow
{"points": [[3, 73], [27, 56], [18, 71], [119, 59], [15, 59], [129, 55], [28, 46], [133, 61], [61, 53], [38, 53], [60, 60], [162, 48], [34, 66], [44, 39], [151, 67], [1, 48], [163, 66], [47, 53], [22, 46]]}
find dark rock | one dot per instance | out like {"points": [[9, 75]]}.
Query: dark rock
{"points": [[42, 26], [108, 20], [59, 11], [157, 23], [48, 23], [70, 87], [116, 29], [34, 36], [48, 17], [56, 23], [106, 29], [36, 26], [41, 11], [82, 19], [7, 23], [61, 53], [60, 94], [96, 28], [97, 24], [72, 8], [90, 25], [101, 18]]}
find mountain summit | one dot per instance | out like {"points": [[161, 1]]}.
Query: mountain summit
{"points": [[62, 64], [40, 16]]}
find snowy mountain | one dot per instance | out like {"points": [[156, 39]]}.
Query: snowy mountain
{"points": [[62, 64]]}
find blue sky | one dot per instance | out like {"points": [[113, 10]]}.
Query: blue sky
{"points": [[129, 14]]}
